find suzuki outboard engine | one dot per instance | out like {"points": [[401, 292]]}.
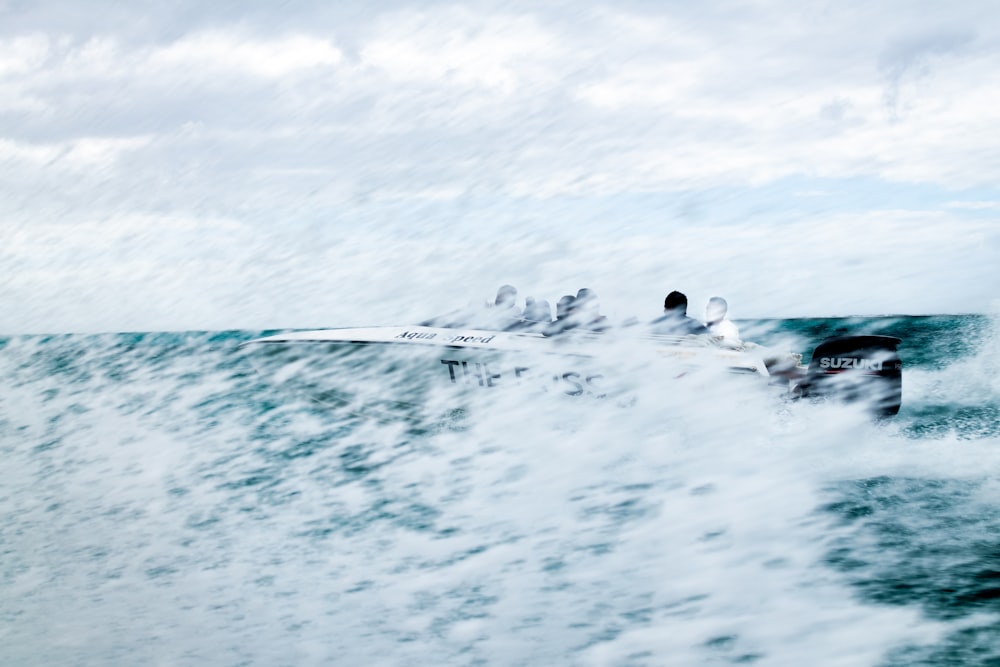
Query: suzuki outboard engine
{"points": [[857, 369]]}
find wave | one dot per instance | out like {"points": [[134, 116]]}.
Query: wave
{"points": [[162, 503]]}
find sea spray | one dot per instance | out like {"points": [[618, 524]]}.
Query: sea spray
{"points": [[163, 501]]}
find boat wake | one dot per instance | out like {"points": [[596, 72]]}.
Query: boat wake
{"points": [[165, 502]]}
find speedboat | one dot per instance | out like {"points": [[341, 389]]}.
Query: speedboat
{"points": [[403, 366]]}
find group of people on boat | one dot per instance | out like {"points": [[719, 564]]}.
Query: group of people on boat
{"points": [[582, 312]]}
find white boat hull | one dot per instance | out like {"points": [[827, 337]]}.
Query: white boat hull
{"points": [[403, 366]]}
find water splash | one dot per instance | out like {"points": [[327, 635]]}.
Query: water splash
{"points": [[163, 503]]}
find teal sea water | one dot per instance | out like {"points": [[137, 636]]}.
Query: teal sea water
{"points": [[162, 504]]}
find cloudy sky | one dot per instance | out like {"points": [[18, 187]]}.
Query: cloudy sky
{"points": [[193, 165]]}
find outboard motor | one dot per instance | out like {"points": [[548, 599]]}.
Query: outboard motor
{"points": [[857, 368]]}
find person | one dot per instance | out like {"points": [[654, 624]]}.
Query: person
{"points": [[537, 314], [586, 311], [674, 320], [503, 313], [717, 323], [529, 307], [564, 316], [500, 314], [506, 300], [564, 308]]}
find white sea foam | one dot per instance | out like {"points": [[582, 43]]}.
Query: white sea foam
{"points": [[169, 515]]}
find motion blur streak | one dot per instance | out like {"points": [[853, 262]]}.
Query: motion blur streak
{"points": [[163, 505]]}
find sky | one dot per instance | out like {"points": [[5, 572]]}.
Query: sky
{"points": [[191, 165]]}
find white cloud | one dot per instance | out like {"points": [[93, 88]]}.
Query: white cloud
{"points": [[222, 51], [975, 205], [423, 119], [100, 152], [96, 59], [665, 87], [459, 48], [22, 54], [663, 102], [15, 152], [53, 64], [83, 153]]}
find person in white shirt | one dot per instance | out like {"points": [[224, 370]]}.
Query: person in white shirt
{"points": [[718, 325]]}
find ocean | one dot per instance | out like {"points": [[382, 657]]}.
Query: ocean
{"points": [[162, 504]]}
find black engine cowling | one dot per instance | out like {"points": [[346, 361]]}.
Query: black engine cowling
{"points": [[857, 369]]}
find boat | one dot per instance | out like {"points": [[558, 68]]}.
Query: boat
{"points": [[398, 367]]}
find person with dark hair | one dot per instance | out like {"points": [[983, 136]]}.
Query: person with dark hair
{"points": [[564, 307], [564, 316], [674, 320], [718, 325]]}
